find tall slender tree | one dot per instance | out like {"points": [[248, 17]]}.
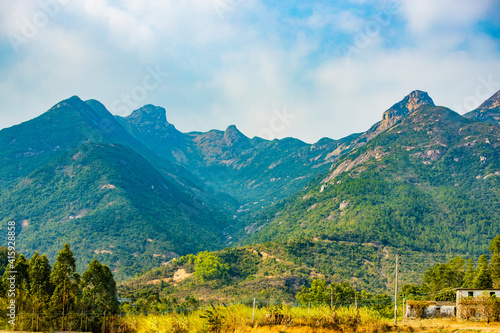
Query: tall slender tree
{"points": [[21, 281], [66, 280], [98, 292], [469, 274], [495, 261], [40, 287], [482, 278], [495, 245]]}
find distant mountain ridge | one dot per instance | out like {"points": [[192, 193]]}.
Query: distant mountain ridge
{"points": [[250, 170]]}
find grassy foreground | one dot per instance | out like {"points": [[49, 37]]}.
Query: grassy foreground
{"points": [[238, 318], [278, 319]]}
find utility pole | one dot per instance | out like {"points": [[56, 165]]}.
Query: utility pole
{"points": [[331, 296], [253, 312], [396, 292], [404, 310]]}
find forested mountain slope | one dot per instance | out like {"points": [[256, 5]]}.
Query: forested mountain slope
{"points": [[255, 171], [429, 182], [75, 175]]}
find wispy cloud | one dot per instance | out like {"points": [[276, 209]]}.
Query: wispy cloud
{"points": [[257, 57]]}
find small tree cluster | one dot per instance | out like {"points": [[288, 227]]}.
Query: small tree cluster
{"points": [[58, 297], [458, 273], [342, 294]]}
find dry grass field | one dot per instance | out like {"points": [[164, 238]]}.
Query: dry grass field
{"points": [[237, 319]]}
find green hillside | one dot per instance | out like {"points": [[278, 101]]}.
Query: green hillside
{"points": [[430, 182], [75, 175], [109, 203], [276, 271]]}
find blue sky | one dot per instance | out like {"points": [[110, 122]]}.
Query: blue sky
{"points": [[274, 68]]}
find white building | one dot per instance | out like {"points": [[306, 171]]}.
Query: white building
{"points": [[433, 309], [469, 301]]}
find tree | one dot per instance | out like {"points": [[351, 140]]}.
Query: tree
{"points": [[456, 270], [343, 293], [318, 293], [40, 286], [98, 292], [482, 279], [495, 270], [495, 261], [66, 281], [209, 267], [495, 245], [20, 280], [444, 276], [469, 274], [488, 306], [410, 291]]}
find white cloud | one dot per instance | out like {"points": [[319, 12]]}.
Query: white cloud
{"points": [[239, 68], [426, 15]]}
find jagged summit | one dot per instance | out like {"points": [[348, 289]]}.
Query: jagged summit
{"points": [[410, 103], [149, 113], [398, 111], [233, 136]]}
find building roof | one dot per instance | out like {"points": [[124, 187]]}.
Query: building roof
{"points": [[476, 289], [437, 303]]}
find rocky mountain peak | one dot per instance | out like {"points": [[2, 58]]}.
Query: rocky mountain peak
{"points": [[407, 105], [233, 136], [491, 103], [398, 111], [149, 114]]}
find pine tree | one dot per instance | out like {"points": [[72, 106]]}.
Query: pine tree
{"points": [[66, 280], [495, 245], [469, 274], [456, 271], [482, 279], [495, 261], [20, 267], [40, 287], [98, 292]]}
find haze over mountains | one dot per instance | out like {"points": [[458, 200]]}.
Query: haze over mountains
{"points": [[135, 192]]}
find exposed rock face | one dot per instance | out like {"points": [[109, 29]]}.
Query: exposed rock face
{"points": [[152, 118], [348, 165], [409, 104], [233, 137]]}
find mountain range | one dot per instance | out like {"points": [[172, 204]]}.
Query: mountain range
{"points": [[135, 192]]}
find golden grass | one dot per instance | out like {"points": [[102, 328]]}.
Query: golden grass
{"points": [[238, 318]]}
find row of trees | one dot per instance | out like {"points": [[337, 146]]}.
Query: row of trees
{"points": [[343, 294], [439, 280], [58, 297], [466, 274]]}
